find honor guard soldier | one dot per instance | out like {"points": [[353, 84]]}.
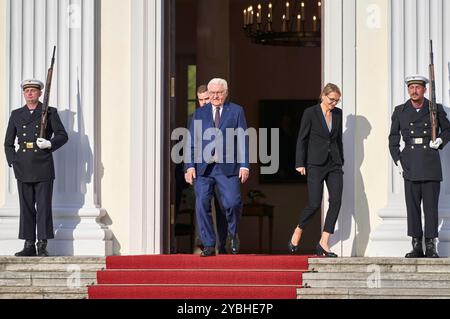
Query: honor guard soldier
{"points": [[33, 166], [419, 163]]}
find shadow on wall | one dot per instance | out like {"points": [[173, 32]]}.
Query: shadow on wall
{"points": [[355, 206]]}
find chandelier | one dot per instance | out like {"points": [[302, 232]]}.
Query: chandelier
{"points": [[284, 23]]}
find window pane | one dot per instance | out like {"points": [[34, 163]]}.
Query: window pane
{"points": [[192, 82]]}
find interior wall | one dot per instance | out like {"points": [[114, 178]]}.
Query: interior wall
{"points": [[258, 73], [273, 73]]}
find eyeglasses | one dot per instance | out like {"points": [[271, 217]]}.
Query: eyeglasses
{"points": [[220, 93], [333, 100]]}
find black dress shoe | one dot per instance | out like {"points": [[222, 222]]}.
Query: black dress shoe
{"points": [[430, 248], [208, 252], [235, 244], [322, 252], [29, 250], [417, 251], [292, 248], [42, 248]]}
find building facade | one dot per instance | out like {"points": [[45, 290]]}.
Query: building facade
{"points": [[112, 88]]}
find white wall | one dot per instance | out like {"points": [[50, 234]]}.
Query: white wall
{"points": [[3, 123], [116, 141]]}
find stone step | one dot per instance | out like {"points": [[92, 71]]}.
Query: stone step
{"points": [[382, 280], [47, 279], [43, 293], [51, 264], [367, 265], [349, 293]]}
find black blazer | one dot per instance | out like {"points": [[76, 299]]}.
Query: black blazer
{"points": [[31, 164], [315, 143]]}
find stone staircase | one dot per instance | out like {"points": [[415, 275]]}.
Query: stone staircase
{"points": [[376, 278], [48, 278]]}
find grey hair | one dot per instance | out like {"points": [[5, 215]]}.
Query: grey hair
{"points": [[220, 82]]}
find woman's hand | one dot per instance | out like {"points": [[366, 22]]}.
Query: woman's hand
{"points": [[301, 170]]}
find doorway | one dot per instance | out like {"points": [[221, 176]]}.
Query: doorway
{"points": [[207, 41]]}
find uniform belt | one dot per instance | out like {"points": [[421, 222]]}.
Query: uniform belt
{"points": [[418, 141], [27, 145]]}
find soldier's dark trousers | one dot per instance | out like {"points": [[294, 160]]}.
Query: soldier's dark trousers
{"points": [[428, 193], [35, 210]]}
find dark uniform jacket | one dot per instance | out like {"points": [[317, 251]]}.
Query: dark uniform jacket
{"points": [[419, 161], [30, 163], [315, 143]]}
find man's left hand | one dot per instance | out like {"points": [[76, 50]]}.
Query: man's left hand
{"points": [[435, 145], [243, 175], [43, 144]]}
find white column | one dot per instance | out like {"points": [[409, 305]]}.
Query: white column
{"points": [[146, 223], [339, 67], [413, 24], [35, 27]]}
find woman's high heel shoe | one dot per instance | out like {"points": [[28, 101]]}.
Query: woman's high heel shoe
{"points": [[322, 252], [292, 248]]}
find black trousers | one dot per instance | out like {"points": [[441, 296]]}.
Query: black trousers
{"points": [[35, 210], [332, 174], [428, 193]]}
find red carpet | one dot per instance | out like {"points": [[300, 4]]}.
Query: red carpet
{"points": [[193, 277]]}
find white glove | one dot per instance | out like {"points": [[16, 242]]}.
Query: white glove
{"points": [[435, 145], [399, 168], [43, 144]]}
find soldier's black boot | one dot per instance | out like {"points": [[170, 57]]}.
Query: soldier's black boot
{"points": [[29, 249], [430, 248], [417, 251], [42, 248]]}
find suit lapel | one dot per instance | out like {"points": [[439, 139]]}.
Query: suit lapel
{"points": [[37, 113], [322, 121], [335, 122], [225, 114], [28, 117], [415, 116], [208, 117]]}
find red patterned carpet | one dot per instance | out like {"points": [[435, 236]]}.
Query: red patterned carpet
{"points": [[193, 277]]}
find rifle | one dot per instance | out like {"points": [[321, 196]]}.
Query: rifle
{"points": [[48, 85], [433, 106]]}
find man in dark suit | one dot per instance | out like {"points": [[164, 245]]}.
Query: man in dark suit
{"points": [[419, 163], [218, 157], [320, 156], [203, 99], [33, 166]]}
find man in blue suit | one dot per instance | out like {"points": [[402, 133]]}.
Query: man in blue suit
{"points": [[218, 157]]}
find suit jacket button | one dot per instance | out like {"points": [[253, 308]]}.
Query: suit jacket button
{"points": [[412, 124], [24, 126], [424, 132], [24, 150], [412, 132], [24, 134], [425, 147], [412, 147]]}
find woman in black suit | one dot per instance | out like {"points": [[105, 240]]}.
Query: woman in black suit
{"points": [[320, 157]]}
